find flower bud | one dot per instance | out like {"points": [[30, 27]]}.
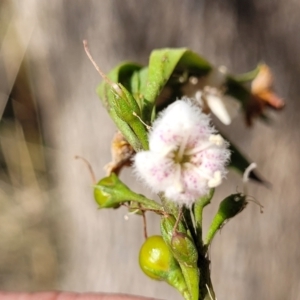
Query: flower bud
{"points": [[229, 207], [127, 109], [232, 205], [182, 246], [124, 103], [167, 227], [184, 250]]}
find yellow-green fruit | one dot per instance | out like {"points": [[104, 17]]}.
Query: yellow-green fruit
{"points": [[157, 262], [155, 258]]}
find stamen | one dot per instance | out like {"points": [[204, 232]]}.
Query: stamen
{"points": [[199, 171], [178, 184], [181, 150], [216, 139], [200, 148], [216, 180], [169, 152]]}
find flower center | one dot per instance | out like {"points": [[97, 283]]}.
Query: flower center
{"points": [[181, 159], [180, 155]]}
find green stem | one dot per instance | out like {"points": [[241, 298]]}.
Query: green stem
{"points": [[216, 224], [198, 214], [151, 204], [206, 290], [191, 276], [189, 223]]}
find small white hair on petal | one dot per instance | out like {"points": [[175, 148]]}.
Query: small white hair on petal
{"points": [[217, 139], [153, 169], [175, 122]]}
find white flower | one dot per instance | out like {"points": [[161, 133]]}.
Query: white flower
{"points": [[224, 107], [186, 157], [208, 91]]}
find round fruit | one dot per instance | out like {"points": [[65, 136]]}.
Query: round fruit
{"points": [[155, 258]]}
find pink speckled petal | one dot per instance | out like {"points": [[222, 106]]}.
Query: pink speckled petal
{"points": [[180, 121], [156, 170], [214, 159]]}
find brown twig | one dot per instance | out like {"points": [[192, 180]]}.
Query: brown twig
{"points": [[177, 220], [87, 51], [90, 169], [144, 224]]}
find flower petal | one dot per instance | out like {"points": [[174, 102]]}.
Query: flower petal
{"points": [[218, 108], [214, 159], [156, 170], [180, 121]]}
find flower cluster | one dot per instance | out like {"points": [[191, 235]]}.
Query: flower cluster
{"points": [[186, 157]]}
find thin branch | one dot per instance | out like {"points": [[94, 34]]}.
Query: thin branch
{"points": [[90, 169]]}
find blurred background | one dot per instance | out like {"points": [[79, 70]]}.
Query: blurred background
{"points": [[52, 236]]}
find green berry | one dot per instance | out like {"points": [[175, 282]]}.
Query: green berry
{"points": [[155, 258]]}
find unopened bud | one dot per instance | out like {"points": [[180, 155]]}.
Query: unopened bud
{"points": [[184, 249], [229, 207]]}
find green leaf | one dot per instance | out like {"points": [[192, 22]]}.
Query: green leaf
{"points": [[248, 76], [138, 84], [126, 130], [120, 74], [121, 105], [110, 192], [163, 63]]}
